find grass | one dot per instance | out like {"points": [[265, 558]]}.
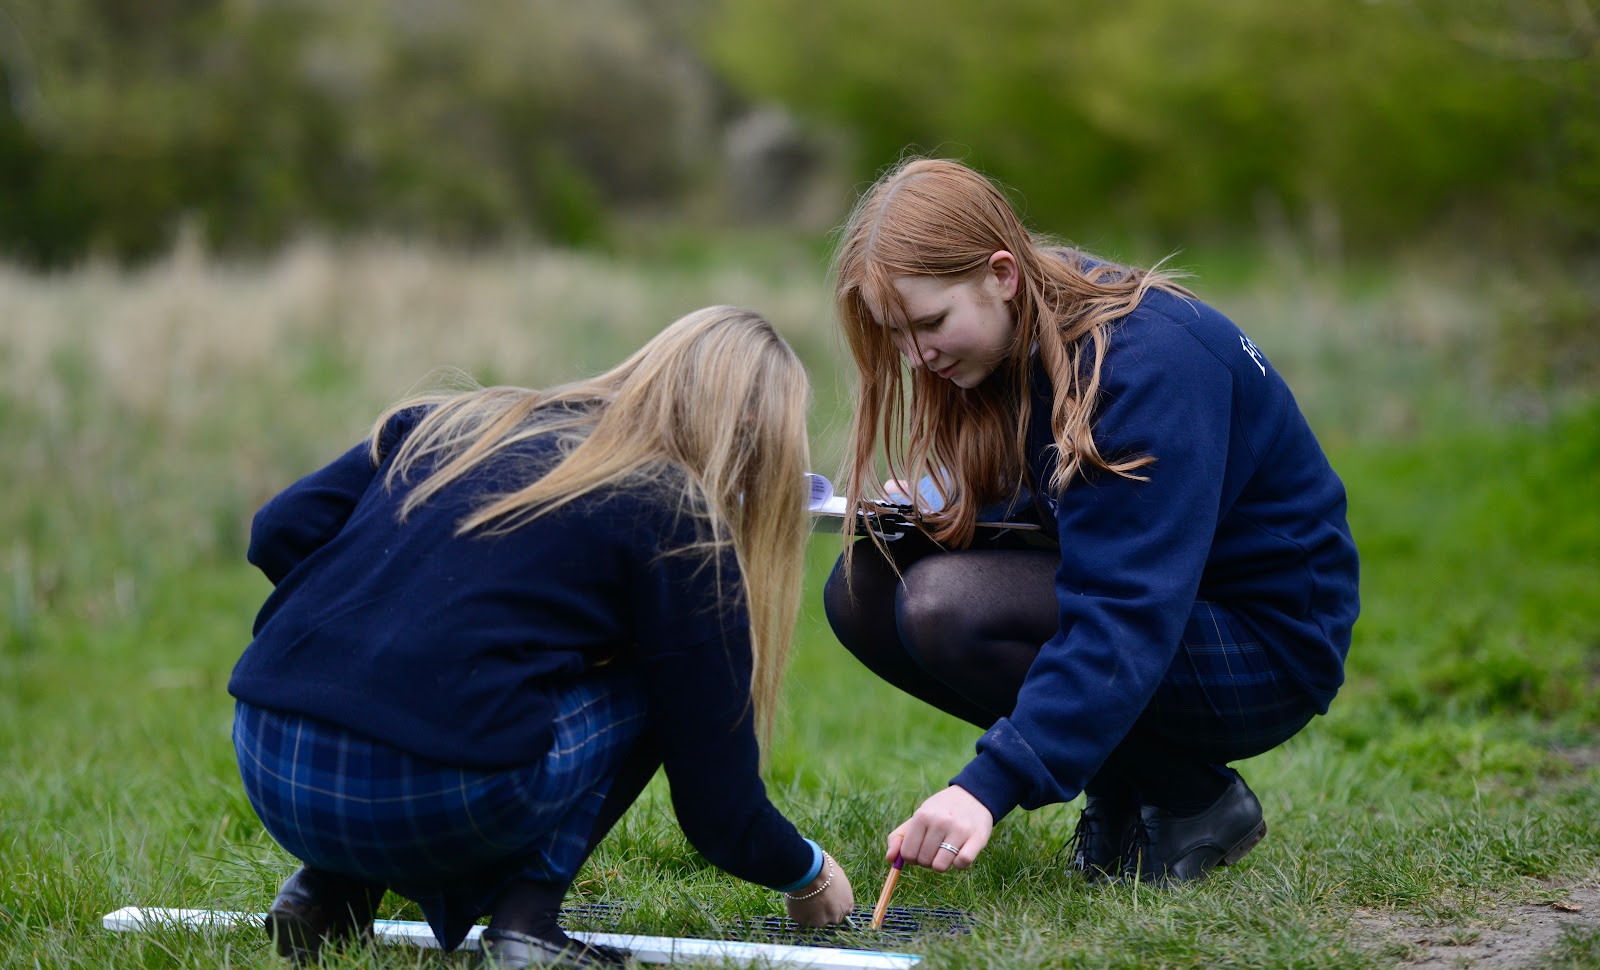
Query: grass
{"points": [[146, 416]]}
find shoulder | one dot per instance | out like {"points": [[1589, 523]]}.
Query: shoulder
{"points": [[400, 425], [1173, 318], [1166, 332], [1173, 334]]}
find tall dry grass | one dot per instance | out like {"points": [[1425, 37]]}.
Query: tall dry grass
{"points": [[188, 335], [190, 338], [169, 401]]}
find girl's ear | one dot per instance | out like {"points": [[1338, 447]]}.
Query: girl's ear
{"points": [[1007, 276]]}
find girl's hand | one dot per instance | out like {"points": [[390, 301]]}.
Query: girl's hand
{"points": [[951, 818], [820, 906]]}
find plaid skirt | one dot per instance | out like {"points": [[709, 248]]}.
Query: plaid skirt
{"points": [[449, 838], [1226, 697]]}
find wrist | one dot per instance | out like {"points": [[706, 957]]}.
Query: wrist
{"points": [[818, 885], [813, 871], [987, 779]]}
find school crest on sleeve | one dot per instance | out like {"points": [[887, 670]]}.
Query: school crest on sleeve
{"points": [[1255, 354]]}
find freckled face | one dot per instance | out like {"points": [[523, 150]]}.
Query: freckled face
{"points": [[960, 331]]}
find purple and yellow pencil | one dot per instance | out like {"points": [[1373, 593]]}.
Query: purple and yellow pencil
{"points": [[888, 890]]}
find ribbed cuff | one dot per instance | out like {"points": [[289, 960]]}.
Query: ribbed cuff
{"points": [[811, 873], [988, 781]]}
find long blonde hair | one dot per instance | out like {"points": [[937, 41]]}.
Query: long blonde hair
{"points": [[934, 217], [711, 412]]}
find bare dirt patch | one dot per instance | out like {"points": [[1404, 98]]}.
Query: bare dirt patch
{"points": [[1516, 935]]}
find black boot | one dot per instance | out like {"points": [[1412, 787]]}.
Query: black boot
{"points": [[1105, 831], [1171, 848], [315, 907], [511, 950], [524, 933]]}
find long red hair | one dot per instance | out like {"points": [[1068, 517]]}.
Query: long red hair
{"points": [[934, 217]]}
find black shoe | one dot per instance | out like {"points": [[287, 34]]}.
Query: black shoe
{"points": [[511, 950], [313, 908], [1173, 848], [1105, 831]]}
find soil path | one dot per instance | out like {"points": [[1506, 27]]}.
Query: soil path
{"points": [[1516, 936]]}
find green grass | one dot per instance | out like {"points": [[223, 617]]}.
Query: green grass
{"points": [[1454, 774]]}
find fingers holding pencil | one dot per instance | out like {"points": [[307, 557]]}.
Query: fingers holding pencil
{"points": [[946, 832]]}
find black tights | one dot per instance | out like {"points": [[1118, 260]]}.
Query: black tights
{"points": [[959, 630], [960, 633]]}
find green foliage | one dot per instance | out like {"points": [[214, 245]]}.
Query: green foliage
{"points": [[1372, 120], [120, 124], [1359, 124]]}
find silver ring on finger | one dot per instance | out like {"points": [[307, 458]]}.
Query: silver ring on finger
{"points": [[954, 849]]}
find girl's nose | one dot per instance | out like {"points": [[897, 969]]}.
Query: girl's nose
{"points": [[918, 356], [909, 350]]}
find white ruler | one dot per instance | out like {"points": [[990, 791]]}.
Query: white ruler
{"points": [[645, 949]]}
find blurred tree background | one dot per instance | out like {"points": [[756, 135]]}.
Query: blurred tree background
{"points": [[1380, 119], [1364, 126]]}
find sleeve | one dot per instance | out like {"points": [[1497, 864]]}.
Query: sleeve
{"points": [[697, 668], [1132, 556], [303, 517]]}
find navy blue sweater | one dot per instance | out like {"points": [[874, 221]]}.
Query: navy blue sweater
{"points": [[1240, 507], [440, 645]]}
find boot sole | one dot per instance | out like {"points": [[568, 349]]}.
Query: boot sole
{"points": [[1244, 845]]}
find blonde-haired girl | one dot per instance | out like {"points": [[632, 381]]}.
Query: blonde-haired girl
{"points": [[1196, 606], [498, 616]]}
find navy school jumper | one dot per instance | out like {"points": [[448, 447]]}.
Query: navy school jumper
{"points": [[439, 645], [1240, 508]]}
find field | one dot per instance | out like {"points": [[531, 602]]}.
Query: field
{"points": [[1446, 812]]}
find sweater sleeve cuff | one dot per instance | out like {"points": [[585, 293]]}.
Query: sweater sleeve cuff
{"points": [[811, 873], [985, 779]]}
